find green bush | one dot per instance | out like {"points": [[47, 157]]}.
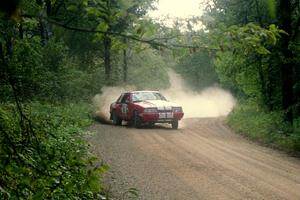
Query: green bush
{"points": [[48, 159], [269, 128]]}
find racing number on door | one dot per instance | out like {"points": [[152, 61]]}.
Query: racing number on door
{"points": [[124, 109]]}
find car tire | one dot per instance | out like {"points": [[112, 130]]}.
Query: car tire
{"points": [[115, 119], [137, 122], [175, 124], [151, 124]]}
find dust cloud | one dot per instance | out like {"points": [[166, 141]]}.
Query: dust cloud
{"points": [[211, 102], [102, 101]]}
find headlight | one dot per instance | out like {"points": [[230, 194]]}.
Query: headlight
{"points": [[177, 109], [150, 110]]}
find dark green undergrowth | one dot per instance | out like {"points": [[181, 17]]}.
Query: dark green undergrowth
{"points": [[43, 154], [266, 127]]}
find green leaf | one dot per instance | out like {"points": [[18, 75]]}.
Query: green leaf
{"points": [[102, 27], [262, 50], [72, 8], [85, 2]]}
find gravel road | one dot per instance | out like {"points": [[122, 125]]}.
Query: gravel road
{"points": [[201, 160]]}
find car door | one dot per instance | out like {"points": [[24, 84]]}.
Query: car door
{"points": [[124, 105], [118, 106], [131, 108]]}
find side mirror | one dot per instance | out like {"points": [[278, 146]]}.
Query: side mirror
{"points": [[127, 101]]}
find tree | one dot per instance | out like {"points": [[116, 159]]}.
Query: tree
{"points": [[287, 11], [275, 68]]}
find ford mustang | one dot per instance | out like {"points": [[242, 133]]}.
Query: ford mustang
{"points": [[145, 107]]}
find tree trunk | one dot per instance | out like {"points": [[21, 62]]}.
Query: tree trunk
{"points": [[287, 65], [44, 26], [107, 56], [48, 7], [263, 82], [21, 32], [43, 32], [287, 86], [125, 65], [270, 85]]}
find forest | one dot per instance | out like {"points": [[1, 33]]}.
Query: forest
{"points": [[55, 55]]}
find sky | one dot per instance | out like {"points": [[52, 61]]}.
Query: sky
{"points": [[178, 8]]}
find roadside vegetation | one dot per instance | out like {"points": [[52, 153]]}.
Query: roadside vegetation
{"points": [[267, 128], [254, 50], [266, 80], [44, 155], [55, 55], [49, 73]]}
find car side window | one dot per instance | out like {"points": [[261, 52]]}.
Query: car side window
{"points": [[126, 98], [161, 97], [120, 98]]}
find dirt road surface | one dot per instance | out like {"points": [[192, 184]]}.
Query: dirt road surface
{"points": [[201, 160]]}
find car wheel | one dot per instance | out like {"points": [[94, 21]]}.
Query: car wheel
{"points": [[151, 124], [115, 119], [136, 120], [175, 124]]}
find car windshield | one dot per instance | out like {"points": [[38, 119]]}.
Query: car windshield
{"points": [[144, 96]]}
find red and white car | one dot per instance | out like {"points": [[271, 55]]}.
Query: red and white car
{"points": [[145, 107]]}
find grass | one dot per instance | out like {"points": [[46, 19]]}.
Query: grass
{"points": [[268, 128]]}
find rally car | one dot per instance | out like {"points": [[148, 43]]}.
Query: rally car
{"points": [[145, 107]]}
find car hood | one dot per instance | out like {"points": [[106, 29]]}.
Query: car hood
{"points": [[160, 104]]}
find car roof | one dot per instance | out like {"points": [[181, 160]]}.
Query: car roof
{"points": [[138, 91]]}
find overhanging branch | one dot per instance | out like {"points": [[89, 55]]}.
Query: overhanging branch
{"points": [[153, 41]]}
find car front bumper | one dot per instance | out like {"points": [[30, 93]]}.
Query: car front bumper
{"points": [[161, 117]]}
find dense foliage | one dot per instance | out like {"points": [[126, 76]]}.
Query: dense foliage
{"points": [[254, 48], [266, 127], [54, 55], [51, 159]]}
